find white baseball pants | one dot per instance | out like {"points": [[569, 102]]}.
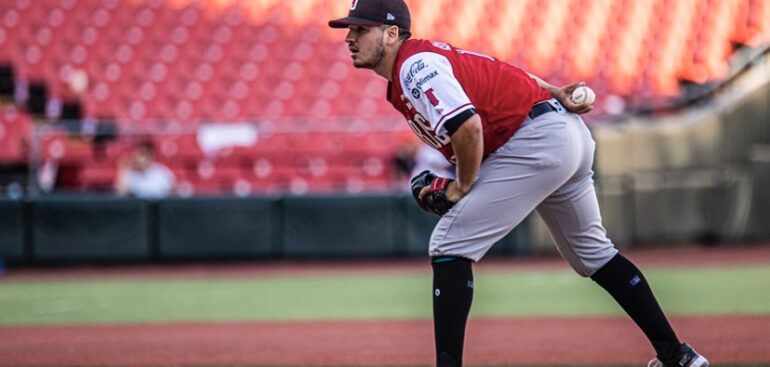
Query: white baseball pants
{"points": [[546, 165]]}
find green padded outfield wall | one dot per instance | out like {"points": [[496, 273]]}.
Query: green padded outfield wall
{"points": [[89, 228], [11, 236], [759, 222], [418, 226], [218, 227], [342, 226]]}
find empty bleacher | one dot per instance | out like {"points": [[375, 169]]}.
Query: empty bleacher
{"points": [[168, 66]]}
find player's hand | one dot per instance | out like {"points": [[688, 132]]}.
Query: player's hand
{"points": [[453, 192], [430, 192], [564, 95]]}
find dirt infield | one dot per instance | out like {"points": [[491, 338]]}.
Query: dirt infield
{"points": [[548, 341]]}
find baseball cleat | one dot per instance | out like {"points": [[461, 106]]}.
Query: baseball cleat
{"points": [[687, 357]]}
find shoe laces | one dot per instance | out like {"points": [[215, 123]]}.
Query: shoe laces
{"points": [[654, 363]]}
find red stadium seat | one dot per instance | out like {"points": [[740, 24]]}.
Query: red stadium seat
{"points": [[178, 148], [15, 131], [185, 62], [64, 149], [98, 177]]}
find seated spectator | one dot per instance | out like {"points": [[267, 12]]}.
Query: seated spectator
{"points": [[403, 160], [427, 158], [142, 177], [413, 157]]}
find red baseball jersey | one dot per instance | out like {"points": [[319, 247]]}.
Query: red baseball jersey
{"points": [[437, 87]]}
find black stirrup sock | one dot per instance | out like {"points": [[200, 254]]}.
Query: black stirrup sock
{"points": [[452, 297], [625, 282]]}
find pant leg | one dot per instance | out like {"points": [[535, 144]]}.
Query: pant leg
{"points": [[573, 217], [539, 158]]}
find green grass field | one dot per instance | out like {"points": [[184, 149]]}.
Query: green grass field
{"points": [[717, 290]]}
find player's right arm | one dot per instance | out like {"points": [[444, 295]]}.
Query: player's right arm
{"points": [[430, 85], [564, 95], [468, 145]]}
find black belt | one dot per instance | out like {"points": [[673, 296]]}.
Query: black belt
{"points": [[541, 108]]}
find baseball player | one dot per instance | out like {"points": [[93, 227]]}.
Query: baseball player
{"points": [[518, 145]]}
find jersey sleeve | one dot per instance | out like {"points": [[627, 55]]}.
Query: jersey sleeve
{"points": [[430, 85]]}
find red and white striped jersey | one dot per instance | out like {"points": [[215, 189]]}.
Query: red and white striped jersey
{"points": [[437, 87]]}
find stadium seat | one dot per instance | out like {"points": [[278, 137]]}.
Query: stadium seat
{"points": [[65, 149], [15, 127], [189, 61], [97, 177]]}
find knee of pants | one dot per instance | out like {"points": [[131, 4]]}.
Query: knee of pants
{"points": [[472, 252], [586, 266], [584, 271]]}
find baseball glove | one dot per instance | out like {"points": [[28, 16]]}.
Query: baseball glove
{"points": [[435, 201]]}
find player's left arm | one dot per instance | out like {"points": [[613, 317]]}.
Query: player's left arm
{"points": [[564, 95]]}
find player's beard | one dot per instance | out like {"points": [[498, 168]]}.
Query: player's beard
{"points": [[372, 62]]}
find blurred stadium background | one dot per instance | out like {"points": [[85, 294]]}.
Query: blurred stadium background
{"points": [[281, 149]]}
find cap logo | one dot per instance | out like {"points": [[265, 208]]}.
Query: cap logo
{"points": [[354, 5], [391, 16]]}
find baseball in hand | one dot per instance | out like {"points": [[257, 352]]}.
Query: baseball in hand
{"points": [[583, 95]]}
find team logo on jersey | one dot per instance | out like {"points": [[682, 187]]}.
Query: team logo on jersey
{"points": [[432, 98], [354, 5], [416, 93]]}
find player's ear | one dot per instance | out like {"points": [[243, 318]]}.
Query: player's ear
{"points": [[391, 35]]}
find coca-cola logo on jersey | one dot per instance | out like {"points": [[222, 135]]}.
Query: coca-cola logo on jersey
{"points": [[415, 68]]}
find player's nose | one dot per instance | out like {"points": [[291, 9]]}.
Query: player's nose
{"points": [[349, 37]]}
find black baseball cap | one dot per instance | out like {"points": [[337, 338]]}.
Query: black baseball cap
{"points": [[371, 13]]}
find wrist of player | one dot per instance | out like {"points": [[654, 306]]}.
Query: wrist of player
{"points": [[555, 91], [456, 191]]}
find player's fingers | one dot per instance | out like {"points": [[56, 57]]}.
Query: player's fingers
{"points": [[574, 107], [423, 192], [578, 108], [571, 87], [584, 109]]}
